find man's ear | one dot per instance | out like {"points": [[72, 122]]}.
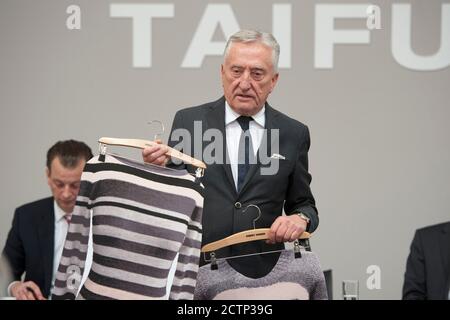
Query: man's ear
{"points": [[274, 81], [222, 74], [47, 173]]}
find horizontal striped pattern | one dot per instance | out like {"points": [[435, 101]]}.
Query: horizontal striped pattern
{"points": [[143, 216]]}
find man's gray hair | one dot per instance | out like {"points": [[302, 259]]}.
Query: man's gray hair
{"points": [[266, 38]]}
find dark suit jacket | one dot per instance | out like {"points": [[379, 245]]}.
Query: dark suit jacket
{"points": [[30, 244], [427, 273], [223, 205]]}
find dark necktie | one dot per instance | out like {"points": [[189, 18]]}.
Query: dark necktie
{"points": [[245, 150], [68, 217]]}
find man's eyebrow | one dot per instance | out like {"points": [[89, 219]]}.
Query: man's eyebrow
{"points": [[257, 68], [63, 182]]}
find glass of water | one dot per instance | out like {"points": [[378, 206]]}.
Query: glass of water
{"points": [[350, 289]]}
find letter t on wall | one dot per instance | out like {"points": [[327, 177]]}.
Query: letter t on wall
{"points": [[142, 15]]}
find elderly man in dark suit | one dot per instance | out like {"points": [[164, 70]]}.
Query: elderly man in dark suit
{"points": [[249, 129], [35, 241], [427, 275]]}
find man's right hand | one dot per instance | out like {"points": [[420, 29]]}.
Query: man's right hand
{"points": [[26, 291], [156, 154]]}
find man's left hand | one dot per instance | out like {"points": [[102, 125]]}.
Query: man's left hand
{"points": [[286, 228]]}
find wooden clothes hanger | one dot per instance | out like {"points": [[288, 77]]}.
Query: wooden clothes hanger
{"points": [[247, 236], [141, 144], [244, 236]]}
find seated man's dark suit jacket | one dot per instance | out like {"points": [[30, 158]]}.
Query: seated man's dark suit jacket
{"points": [[223, 205], [427, 275], [30, 244]]}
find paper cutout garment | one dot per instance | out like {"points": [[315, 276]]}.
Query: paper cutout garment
{"points": [[290, 279], [142, 217]]}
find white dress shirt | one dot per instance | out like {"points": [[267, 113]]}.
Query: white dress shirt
{"points": [[234, 131]]}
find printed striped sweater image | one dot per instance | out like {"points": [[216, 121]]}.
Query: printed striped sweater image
{"points": [[143, 218], [290, 279]]}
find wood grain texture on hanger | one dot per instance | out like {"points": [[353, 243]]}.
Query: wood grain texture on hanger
{"points": [[141, 144], [244, 236]]}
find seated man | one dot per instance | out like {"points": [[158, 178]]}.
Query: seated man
{"points": [[35, 241], [427, 275]]}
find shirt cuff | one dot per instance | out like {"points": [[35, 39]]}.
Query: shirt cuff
{"points": [[9, 287]]}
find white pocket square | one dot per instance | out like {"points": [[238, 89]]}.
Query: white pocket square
{"points": [[277, 156]]}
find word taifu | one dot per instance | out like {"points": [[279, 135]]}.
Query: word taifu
{"points": [[326, 35]]}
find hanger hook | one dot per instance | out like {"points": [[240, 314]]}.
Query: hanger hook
{"points": [[102, 148], [259, 213], [161, 132]]}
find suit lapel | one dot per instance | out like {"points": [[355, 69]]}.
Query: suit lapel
{"points": [[46, 234], [216, 119], [444, 244], [270, 124]]}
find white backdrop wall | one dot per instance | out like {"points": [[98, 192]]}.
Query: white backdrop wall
{"points": [[377, 108]]}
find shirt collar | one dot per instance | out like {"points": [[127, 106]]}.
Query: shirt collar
{"points": [[231, 115], [59, 213]]}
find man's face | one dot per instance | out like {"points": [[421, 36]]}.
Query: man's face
{"points": [[248, 77], [65, 183]]}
